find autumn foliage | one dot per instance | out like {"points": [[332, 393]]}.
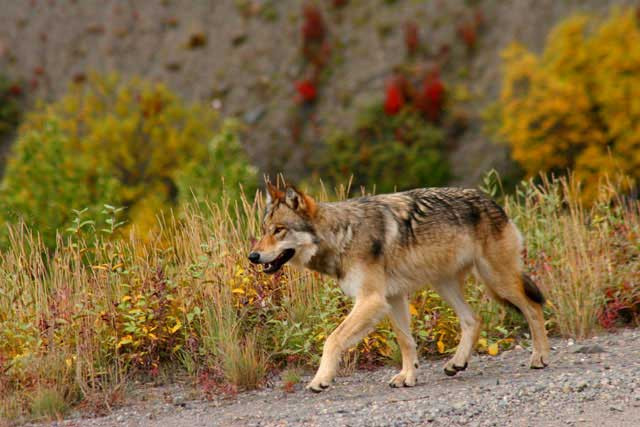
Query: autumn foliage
{"points": [[132, 144], [576, 105], [411, 38], [427, 97], [315, 46]]}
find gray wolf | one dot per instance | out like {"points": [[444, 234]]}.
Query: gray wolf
{"points": [[383, 248]]}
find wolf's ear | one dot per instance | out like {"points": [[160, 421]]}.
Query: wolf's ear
{"points": [[273, 193], [300, 202]]}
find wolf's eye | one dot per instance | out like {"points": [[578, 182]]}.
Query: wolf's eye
{"points": [[279, 231]]}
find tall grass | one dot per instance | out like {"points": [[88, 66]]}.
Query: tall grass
{"points": [[76, 323], [578, 253]]}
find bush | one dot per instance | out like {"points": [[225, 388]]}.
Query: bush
{"points": [[127, 143], [45, 180], [10, 110], [575, 106], [389, 151], [225, 165]]}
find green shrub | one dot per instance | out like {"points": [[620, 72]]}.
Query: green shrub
{"points": [[126, 143], [389, 151], [225, 166], [10, 110], [44, 183]]}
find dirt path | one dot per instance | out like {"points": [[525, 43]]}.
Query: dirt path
{"points": [[590, 383]]}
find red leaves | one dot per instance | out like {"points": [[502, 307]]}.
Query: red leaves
{"points": [[315, 46], [622, 305], [394, 98], [411, 38], [15, 90], [467, 32], [307, 91], [431, 99], [314, 28]]}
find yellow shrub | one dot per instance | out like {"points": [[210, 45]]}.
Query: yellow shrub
{"points": [[577, 105], [107, 141]]}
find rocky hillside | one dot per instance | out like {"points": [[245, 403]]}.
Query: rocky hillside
{"points": [[244, 56]]}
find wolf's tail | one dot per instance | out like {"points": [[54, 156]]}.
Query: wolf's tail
{"points": [[531, 290]]}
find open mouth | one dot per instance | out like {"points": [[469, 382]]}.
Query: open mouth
{"points": [[276, 264]]}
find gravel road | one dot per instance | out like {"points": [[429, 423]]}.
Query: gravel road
{"points": [[590, 383]]}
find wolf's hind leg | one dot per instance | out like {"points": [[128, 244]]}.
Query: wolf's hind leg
{"points": [[508, 284], [452, 292], [401, 323], [366, 313]]}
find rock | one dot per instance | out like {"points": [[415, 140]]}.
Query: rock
{"points": [[458, 406], [173, 66], [588, 349], [239, 39], [197, 39], [254, 116]]}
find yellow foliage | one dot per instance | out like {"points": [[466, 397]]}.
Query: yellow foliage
{"points": [[493, 349], [107, 141], [577, 105]]}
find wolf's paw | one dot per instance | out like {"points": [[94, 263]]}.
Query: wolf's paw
{"points": [[451, 368], [403, 379], [317, 386], [539, 360]]}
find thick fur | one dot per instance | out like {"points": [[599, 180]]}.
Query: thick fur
{"points": [[383, 248]]}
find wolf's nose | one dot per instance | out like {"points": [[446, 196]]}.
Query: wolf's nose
{"points": [[254, 257]]}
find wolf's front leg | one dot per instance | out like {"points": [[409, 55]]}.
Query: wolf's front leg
{"points": [[401, 323], [366, 313]]}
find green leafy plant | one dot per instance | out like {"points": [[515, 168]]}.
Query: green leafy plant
{"points": [[131, 144], [398, 151], [10, 108]]}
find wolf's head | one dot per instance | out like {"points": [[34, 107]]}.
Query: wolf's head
{"points": [[288, 231]]}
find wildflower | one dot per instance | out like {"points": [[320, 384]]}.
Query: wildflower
{"points": [[306, 90]]}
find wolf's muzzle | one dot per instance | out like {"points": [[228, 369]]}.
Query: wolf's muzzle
{"points": [[254, 257]]}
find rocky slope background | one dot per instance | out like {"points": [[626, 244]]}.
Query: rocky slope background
{"points": [[245, 57]]}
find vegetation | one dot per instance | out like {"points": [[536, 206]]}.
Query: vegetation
{"points": [[189, 298], [385, 150], [575, 106], [127, 143], [10, 109]]}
